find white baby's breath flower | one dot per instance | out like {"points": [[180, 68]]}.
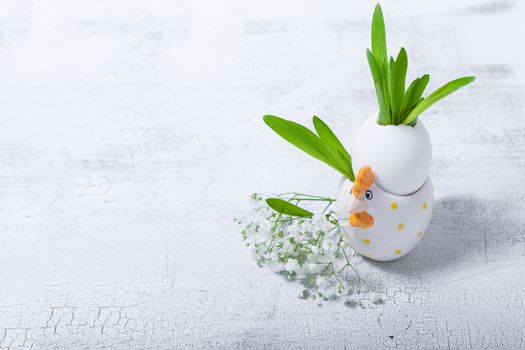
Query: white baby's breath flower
{"points": [[322, 260], [287, 245], [275, 266], [308, 249], [294, 228], [300, 274], [343, 288], [313, 258], [302, 292], [322, 224], [254, 198], [312, 267], [306, 226], [328, 292], [328, 247], [322, 282], [291, 265], [274, 255]]}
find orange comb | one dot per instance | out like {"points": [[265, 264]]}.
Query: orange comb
{"points": [[363, 180]]}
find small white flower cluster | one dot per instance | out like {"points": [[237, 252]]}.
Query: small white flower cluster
{"points": [[313, 251]]}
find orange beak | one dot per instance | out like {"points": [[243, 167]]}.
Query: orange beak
{"points": [[361, 220], [357, 206]]}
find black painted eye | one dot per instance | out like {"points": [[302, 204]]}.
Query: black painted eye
{"points": [[369, 195]]}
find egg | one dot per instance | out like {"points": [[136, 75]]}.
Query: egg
{"points": [[400, 155], [399, 222]]}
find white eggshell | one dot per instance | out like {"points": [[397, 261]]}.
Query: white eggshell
{"points": [[400, 155], [399, 221]]}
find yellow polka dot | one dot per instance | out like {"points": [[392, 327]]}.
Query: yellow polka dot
{"points": [[393, 205], [366, 241], [424, 205], [398, 251], [400, 226], [419, 234]]}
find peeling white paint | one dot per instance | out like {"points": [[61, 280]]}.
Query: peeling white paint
{"points": [[131, 134]]}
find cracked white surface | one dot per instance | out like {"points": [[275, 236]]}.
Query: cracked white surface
{"points": [[131, 134]]}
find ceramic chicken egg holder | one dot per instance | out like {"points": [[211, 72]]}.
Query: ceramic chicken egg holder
{"points": [[399, 222], [386, 210]]}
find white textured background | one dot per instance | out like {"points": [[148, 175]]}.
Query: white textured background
{"points": [[131, 135]]}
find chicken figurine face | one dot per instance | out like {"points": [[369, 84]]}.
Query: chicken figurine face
{"points": [[380, 225]]}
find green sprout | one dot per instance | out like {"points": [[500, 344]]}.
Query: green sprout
{"points": [[397, 105]]}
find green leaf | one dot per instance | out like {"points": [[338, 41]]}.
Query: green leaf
{"points": [[332, 142], [295, 135], [397, 84], [437, 95], [304, 139], [416, 98], [379, 36], [288, 208], [406, 97], [385, 74], [378, 84], [378, 62], [420, 87], [413, 94]]}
